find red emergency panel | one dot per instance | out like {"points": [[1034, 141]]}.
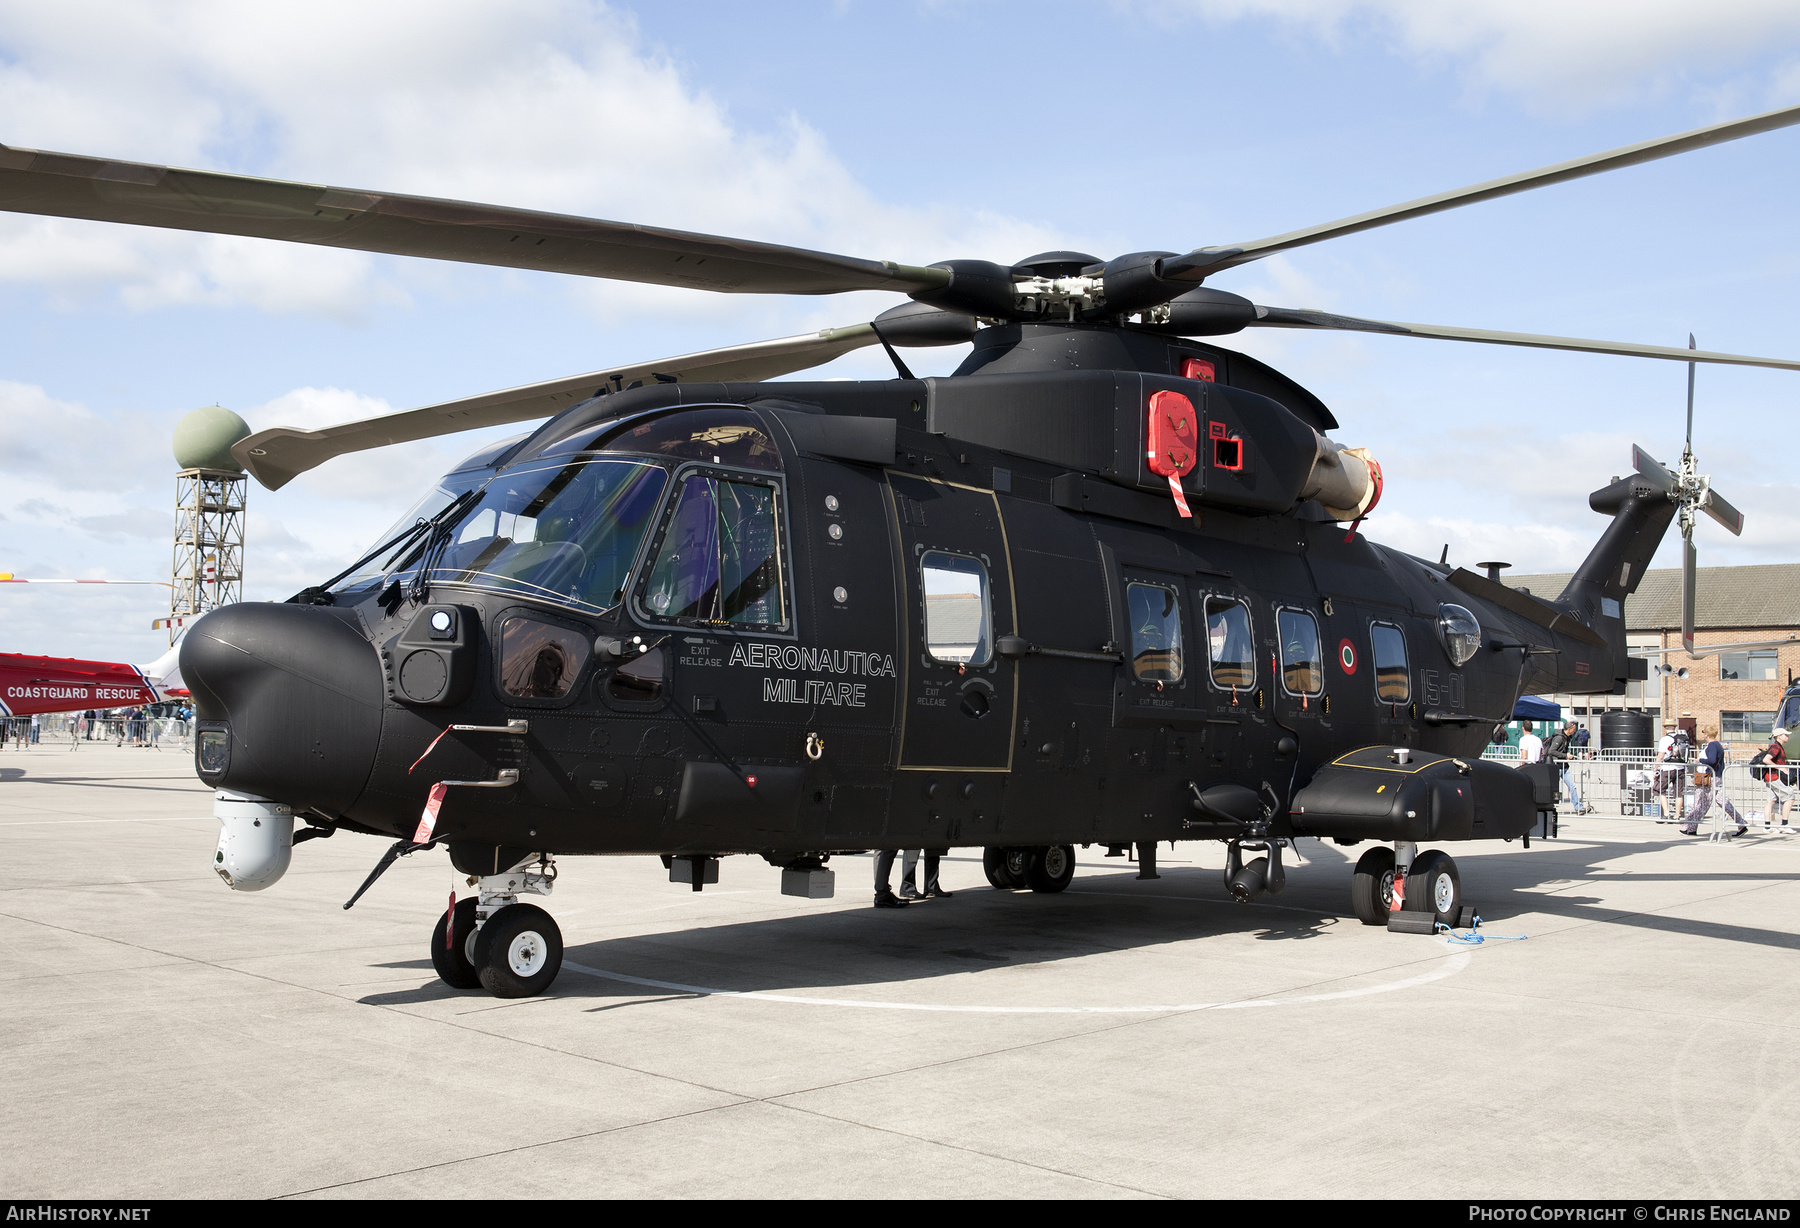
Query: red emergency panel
{"points": [[1228, 449], [1197, 368], [1173, 438]]}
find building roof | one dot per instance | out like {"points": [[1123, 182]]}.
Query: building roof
{"points": [[1726, 598]]}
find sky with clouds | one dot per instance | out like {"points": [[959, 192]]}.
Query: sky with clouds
{"points": [[909, 131]]}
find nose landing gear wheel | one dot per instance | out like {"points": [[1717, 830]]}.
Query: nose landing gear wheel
{"points": [[1050, 869], [518, 952], [455, 959], [1372, 886], [1435, 885]]}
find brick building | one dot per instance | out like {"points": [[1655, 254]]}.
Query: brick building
{"points": [[1738, 692]]}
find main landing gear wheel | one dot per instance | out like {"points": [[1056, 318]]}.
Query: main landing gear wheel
{"points": [[1435, 886], [1372, 886], [519, 951], [1050, 869], [1006, 868], [454, 958]]}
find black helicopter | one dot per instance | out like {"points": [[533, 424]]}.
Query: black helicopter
{"points": [[1103, 585]]}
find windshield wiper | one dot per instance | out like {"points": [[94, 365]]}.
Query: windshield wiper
{"points": [[320, 594]]}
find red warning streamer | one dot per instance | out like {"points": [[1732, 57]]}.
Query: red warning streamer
{"points": [[428, 818]]}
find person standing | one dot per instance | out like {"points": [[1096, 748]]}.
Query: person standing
{"points": [[87, 725], [1531, 747], [1769, 766], [1708, 770], [1671, 769], [908, 875], [1556, 751], [884, 891]]}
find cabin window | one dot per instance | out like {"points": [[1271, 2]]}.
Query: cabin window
{"points": [[539, 660], [1756, 665], [1393, 676], [1302, 665], [721, 556], [958, 610], [1230, 653], [1155, 633]]}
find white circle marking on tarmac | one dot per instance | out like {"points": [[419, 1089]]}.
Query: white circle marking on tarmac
{"points": [[1454, 962]]}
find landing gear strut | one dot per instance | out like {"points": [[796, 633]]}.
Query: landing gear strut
{"points": [[492, 941], [1432, 886]]}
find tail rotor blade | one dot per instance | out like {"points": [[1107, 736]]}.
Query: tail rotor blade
{"points": [[1688, 559], [1723, 512], [1651, 468]]}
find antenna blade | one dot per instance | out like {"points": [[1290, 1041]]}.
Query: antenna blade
{"points": [[1688, 560], [1716, 507], [95, 189], [1208, 260], [1293, 317], [278, 455]]}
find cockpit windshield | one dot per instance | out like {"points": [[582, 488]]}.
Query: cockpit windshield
{"points": [[566, 524], [565, 530]]}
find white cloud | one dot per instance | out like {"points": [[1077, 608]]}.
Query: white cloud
{"points": [[1550, 53], [552, 105]]}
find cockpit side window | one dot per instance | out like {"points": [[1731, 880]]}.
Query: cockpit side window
{"points": [[1230, 652], [721, 555]]}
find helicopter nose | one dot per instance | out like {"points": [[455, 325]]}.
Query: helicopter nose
{"points": [[287, 702]]}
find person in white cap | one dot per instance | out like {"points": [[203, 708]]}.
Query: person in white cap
{"points": [[1769, 764]]}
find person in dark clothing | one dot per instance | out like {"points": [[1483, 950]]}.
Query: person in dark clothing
{"points": [[1556, 750], [909, 875], [1707, 772], [884, 891]]}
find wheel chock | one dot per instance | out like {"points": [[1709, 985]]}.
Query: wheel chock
{"points": [[1412, 923], [1466, 918]]}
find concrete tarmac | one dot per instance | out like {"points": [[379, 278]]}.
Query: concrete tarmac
{"points": [[161, 1036]]}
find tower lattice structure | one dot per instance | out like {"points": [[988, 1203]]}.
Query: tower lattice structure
{"points": [[209, 544]]}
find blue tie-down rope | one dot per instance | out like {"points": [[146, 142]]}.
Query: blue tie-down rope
{"points": [[1474, 939]]}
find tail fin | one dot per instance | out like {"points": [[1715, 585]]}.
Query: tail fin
{"points": [[1642, 512]]}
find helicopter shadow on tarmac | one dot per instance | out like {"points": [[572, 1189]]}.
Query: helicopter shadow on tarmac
{"points": [[980, 928]]}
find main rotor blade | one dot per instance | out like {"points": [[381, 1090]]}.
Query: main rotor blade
{"points": [[71, 185], [1289, 317], [1688, 448], [1208, 260], [1723, 512], [276, 456]]}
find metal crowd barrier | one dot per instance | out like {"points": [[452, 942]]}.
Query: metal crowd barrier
{"points": [[71, 731], [1629, 783]]}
